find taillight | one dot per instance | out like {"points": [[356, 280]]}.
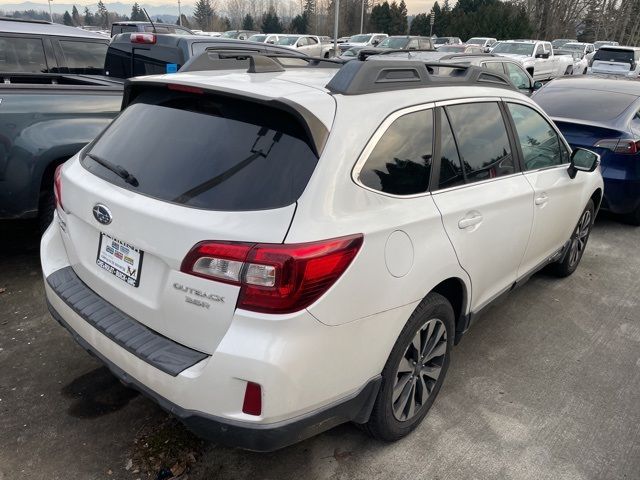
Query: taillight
{"points": [[619, 146], [146, 38], [274, 278], [252, 404], [57, 186]]}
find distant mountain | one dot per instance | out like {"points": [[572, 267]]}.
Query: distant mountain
{"points": [[171, 10]]}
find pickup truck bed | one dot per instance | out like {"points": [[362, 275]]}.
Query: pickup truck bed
{"points": [[46, 119]]}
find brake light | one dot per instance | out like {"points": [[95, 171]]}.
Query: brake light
{"points": [[184, 88], [274, 278], [57, 186], [252, 404], [620, 145], [145, 38]]}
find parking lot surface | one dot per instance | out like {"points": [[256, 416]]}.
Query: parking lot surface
{"points": [[545, 385]]}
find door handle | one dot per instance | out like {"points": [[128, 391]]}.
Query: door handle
{"points": [[542, 199], [470, 221]]}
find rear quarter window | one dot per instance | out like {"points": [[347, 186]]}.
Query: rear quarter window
{"points": [[207, 152], [22, 55]]}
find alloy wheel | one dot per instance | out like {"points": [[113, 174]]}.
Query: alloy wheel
{"points": [[419, 370], [579, 238]]}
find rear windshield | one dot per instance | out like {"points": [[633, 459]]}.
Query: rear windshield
{"points": [[595, 106], [610, 55], [206, 152]]}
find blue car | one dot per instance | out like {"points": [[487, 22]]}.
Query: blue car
{"points": [[603, 115]]}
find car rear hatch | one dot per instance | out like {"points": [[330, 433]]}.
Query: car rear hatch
{"points": [[177, 167], [613, 61]]}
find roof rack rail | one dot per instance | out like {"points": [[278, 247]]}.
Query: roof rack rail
{"points": [[460, 55], [369, 52], [357, 77], [259, 62]]}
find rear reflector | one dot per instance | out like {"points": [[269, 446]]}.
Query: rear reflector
{"points": [[57, 186], [274, 278], [146, 38], [619, 145], [252, 404]]}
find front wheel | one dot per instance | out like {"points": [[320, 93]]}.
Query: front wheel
{"points": [[415, 370], [569, 70], [577, 244]]}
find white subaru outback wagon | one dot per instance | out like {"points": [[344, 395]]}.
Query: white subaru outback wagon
{"points": [[271, 252]]}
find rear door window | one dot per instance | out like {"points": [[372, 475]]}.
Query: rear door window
{"points": [[84, 57], [20, 54], [400, 162], [482, 140], [494, 66], [206, 152]]}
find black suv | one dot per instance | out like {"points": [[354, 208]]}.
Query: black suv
{"points": [[135, 54], [130, 27], [29, 46]]}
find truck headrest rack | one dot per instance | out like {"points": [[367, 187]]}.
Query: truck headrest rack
{"points": [[358, 77]]}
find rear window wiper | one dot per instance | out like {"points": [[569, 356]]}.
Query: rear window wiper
{"points": [[117, 169]]}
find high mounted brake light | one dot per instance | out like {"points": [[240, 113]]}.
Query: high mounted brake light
{"points": [[184, 88], [145, 38], [274, 278]]}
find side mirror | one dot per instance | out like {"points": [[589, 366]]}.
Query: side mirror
{"points": [[537, 85], [583, 160], [375, 43]]}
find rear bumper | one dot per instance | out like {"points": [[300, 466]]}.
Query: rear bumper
{"points": [[621, 196], [257, 437]]}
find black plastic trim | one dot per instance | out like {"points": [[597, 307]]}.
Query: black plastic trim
{"points": [[257, 437], [149, 346]]}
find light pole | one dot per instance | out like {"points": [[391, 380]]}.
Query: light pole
{"points": [[362, 17], [335, 28], [179, 14], [50, 12]]}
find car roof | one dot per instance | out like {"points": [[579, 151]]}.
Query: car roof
{"points": [[619, 47], [45, 28], [578, 84]]}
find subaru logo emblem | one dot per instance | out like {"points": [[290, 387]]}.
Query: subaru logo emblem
{"points": [[102, 214]]}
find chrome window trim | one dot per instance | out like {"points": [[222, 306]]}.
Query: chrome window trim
{"points": [[473, 184], [373, 141]]}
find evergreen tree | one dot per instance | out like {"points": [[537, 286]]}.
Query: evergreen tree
{"points": [[247, 22], [185, 22], [75, 16], [102, 15], [380, 19], [270, 22], [66, 18], [137, 14], [299, 24], [88, 16], [420, 25], [203, 14]]}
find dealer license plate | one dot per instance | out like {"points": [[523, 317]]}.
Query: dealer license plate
{"points": [[120, 259]]}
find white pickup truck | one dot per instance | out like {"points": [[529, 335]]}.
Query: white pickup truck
{"points": [[309, 44], [536, 57]]}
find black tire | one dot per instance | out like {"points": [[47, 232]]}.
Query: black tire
{"points": [[436, 311], [578, 243], [569, 70], [46, 208]]}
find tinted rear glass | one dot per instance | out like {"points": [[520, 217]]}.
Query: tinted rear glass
{"points": [[207, 152], [22, 55], [609, 55], [573, 102], [84, 57]]}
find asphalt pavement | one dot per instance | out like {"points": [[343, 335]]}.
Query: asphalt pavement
{"points": [[545, 386]]}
